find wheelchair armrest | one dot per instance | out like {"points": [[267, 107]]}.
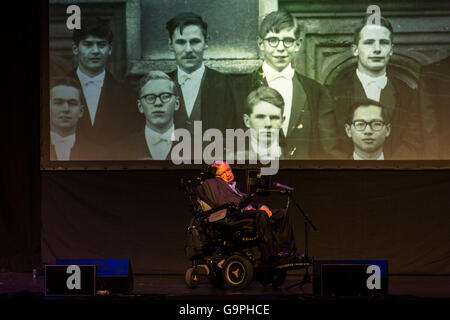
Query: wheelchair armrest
{"points": [[245, 202]]}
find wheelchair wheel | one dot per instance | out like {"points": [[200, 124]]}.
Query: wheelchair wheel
{"points": [[278, 279], [237, 272], [191, 278]]}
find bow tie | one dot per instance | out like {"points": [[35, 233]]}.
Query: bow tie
{"points": [[155, 140], [287, 74], [97, 83], [184, 77], [378, 82], [367, 81], [61, 139]]}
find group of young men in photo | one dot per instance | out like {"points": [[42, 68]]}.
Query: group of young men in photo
{"points": [[366, 114]]}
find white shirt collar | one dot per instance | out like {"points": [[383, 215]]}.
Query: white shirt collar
{"points": [[232, 185], [265, 152], [84, 78], [56, 138], [272, 74], [357, 157], [63, 145], [197, 75]]}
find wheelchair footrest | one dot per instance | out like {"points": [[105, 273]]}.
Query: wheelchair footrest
{"points": [[293, 265]]}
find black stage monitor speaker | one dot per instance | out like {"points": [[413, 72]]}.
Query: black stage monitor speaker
{"points": [[333, 278], [69, 280], [114, 275]]}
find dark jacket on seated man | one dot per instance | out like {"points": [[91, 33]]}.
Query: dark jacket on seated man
{"points": [[276, 232]]}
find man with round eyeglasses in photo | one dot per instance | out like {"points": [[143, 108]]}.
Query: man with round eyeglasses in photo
{"points": [[157, 100], [368, 126], [309, 127], [373, 78]]}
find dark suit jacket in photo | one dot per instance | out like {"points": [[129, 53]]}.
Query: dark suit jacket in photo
{"points": [[117, 116], [213, 105], [312, 124], [434, 94], [405, 140]]}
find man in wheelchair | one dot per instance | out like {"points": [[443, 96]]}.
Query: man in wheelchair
{"points": [[278, 245], [238, 237]]}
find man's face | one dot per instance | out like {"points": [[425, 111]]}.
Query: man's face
{"points": [[368, 140], [374, 50], [225, 173], [65, 107], [158, 114], [93, 53], [188, 47], [266, 119], [279, 57]]}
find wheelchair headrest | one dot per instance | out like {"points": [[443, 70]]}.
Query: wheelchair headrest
{"points": [[188, 184], [209, 172]]}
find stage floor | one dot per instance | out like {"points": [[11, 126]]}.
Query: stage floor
{"points": [[168, 297], [174, 287]]}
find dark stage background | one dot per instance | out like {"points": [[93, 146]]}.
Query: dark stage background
{"points": [[401, 216], [398, 216]]}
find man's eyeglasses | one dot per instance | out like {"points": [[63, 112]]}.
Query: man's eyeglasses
{"points": [[274, 41], [375, 125], [151, 98], [221, 174]]}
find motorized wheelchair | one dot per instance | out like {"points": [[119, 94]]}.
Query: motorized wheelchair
{"points": [[224, 244]]}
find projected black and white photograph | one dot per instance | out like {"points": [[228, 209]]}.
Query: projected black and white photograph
{"points": [[202, 158]]}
